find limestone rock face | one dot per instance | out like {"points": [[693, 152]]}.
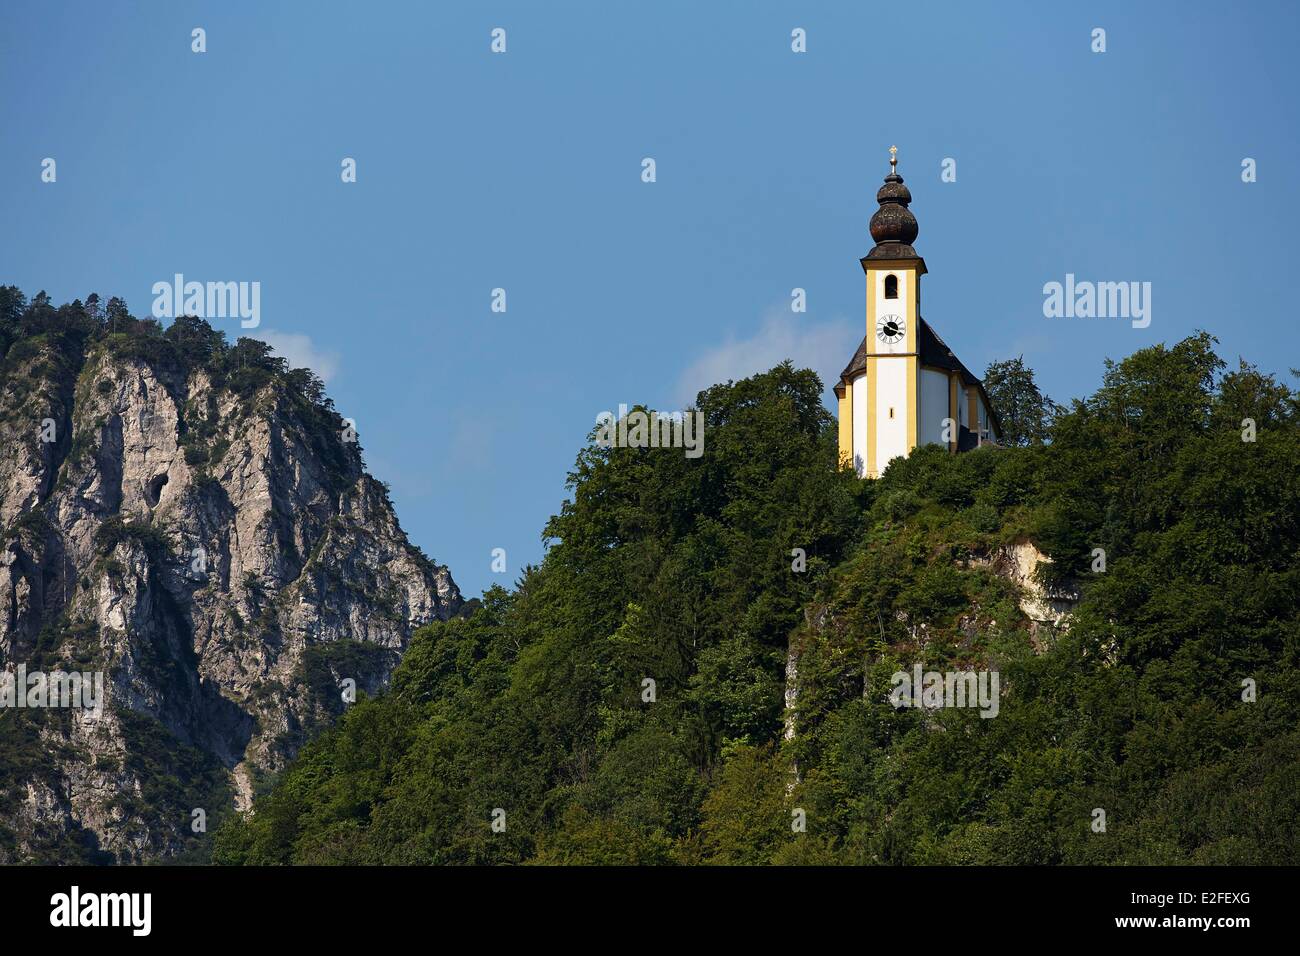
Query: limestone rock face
{"points": [[219, 553], [1043, 606]]}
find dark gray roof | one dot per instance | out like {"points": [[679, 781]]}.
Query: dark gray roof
{"points": [[935, 351], [890, 250], [856, 364]]}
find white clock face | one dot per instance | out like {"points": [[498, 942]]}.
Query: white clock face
{"points": [[890, 328]]}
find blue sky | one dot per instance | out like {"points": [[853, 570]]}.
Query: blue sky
{"points": [[523, 171]]}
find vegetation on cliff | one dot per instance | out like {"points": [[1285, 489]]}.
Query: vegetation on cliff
{"points": [[528, 731]]}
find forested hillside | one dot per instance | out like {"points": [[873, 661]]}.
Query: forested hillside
{"points": [[1169, 698]]}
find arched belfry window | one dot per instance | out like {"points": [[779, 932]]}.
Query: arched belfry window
{"points": [[891, 287]]}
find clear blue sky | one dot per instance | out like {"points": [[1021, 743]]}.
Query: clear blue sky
{"points": [[522, 171]]}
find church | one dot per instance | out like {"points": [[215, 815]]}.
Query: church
{"points": [[904, 387]]}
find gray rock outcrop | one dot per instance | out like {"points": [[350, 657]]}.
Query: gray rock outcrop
{"points": [[219, 553]]}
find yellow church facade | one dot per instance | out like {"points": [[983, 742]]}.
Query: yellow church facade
{"points": [[903, 386]]}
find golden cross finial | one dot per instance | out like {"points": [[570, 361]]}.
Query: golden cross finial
{"points": [[893, 159]]}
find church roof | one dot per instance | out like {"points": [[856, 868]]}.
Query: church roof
{"points": [[935, 351], [856, 364]]}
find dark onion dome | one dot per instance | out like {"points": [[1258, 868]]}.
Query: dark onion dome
{"points": [[893, 221], [893, 226]]}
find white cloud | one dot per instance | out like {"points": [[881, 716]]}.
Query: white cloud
{"points": [[823, 347], [300, 352]]}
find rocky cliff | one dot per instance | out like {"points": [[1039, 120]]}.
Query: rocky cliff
{"points": [[193, 520]]}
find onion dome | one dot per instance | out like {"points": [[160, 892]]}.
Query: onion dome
{"points": [[893, 226]]}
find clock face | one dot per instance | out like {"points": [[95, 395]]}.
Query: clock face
{"points": [[890, 328]]}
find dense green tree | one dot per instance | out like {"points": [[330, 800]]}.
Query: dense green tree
{"points": [[1023, 411]]}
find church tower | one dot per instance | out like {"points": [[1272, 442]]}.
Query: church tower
{"points": [[904, 387]]}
